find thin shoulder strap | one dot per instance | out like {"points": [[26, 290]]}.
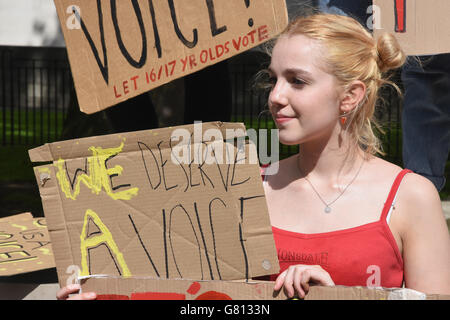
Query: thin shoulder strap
{"points": [[262, 170], [389, 204]]}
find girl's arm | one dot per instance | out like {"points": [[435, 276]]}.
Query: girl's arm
{"points": [[425, 237]]}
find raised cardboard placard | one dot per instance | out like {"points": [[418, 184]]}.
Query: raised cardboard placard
{"points": [[420, 26], [178, 202], [116, 288], [120, 49], [24, 245]]}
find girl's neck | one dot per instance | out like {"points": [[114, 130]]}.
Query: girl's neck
{"points": [[329, 160]]}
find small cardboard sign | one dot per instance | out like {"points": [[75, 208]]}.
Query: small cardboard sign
{"points": [[120, 49], [24, 245], [178, 202], [115, 288], [420, 26]]}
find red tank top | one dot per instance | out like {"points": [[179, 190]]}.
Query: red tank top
{"points": [[366, 255]]}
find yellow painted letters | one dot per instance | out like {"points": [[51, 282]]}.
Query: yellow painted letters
{"points": [[105, 237], [98, 178]]}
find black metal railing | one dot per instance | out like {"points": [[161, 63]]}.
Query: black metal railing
{"points": [[34, 95], [36, 88]]}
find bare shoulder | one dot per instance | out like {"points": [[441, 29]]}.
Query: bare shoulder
{"points": [[379, 165], [414, 192], [381, 173], [419, 195], [418, 202], [414, 187], [419, 189]]}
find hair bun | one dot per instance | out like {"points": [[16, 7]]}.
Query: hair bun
{"points": [[389, 53]]}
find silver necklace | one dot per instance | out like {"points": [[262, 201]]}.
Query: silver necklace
{"points": [[328, 205]]}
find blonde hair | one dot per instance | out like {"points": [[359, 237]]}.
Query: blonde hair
{"points": [[351, 53]]}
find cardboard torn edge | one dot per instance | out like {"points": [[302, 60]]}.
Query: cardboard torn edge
{"points": [[244, 290], [53, 151]]}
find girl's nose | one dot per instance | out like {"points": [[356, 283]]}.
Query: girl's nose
{"points": [[278, 97]]}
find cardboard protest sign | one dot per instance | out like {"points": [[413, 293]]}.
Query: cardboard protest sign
{"points": [[120, 49], [116, 288], [420, 26], [24, 245], [178, 202], [141, 288]]}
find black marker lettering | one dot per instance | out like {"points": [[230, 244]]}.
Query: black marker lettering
{"points": [[110, 253], [203, 239], [202, 172], [103, 66], [40, 244], [212, 19], [212, 232], [31, 234], [141, 146], [185, 173], [241, 238], [155, 29], [190, 175], [111, 176], [165, 243], [234, 169], [189, 44], [195, 234], [126, 54], [72, 181], [225, 183], [163, 163], [143, 246]]}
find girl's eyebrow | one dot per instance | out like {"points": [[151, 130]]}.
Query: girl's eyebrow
{"points": [[298, 71], [293, 71]]}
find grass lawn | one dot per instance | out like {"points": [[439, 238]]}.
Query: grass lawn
{"points": [[19, 132], [18, 189], [33, 127], [15, 165]]}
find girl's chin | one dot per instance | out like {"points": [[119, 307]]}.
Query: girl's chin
{"points": [[289, 140], [292, 136]]}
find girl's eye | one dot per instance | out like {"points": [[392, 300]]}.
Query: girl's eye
{"points": [[298, 82]]}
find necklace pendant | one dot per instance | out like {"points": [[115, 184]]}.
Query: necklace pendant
{"points": [[327, 209]]}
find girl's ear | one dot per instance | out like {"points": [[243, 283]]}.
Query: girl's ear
{"points": [[352, 96]]}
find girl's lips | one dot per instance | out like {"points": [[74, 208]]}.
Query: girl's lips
{"points": [[282, 119]]}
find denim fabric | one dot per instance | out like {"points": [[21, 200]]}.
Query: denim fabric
{"points": [[356, 9], [426, 116]]}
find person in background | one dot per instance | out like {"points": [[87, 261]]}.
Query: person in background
{"points": [[426, 103], [426, 116], [357, 9]]}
